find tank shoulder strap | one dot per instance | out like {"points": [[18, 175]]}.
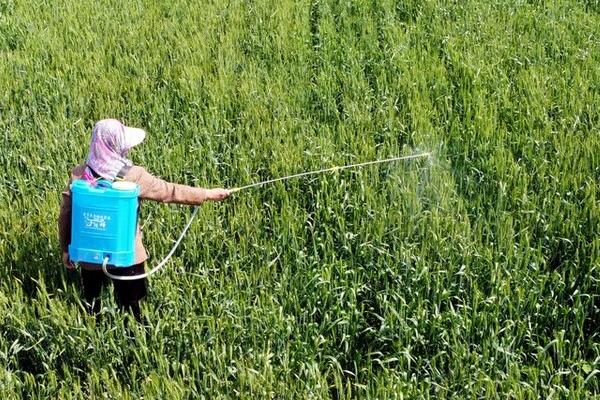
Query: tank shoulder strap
{"points": [[121, 174]]}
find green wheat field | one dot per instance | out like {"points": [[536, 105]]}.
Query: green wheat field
{"points": [[474, 273]]}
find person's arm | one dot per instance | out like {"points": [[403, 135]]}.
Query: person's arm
{"points": [[153, 188], [64, 227]]}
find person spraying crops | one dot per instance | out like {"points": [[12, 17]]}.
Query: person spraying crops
{"points": [[106, 162]]}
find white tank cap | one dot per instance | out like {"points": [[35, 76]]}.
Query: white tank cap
{"points": [[123, 185]]}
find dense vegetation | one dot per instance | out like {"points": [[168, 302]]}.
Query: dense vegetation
{"points": [[473, 274]]}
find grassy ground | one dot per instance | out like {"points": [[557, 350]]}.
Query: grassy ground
{"points": [[473, 274]]}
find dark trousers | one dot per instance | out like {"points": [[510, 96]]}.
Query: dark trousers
{"points": [[127, 293]]}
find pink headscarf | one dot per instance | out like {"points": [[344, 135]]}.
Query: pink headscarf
{"points": [[111, 140]]}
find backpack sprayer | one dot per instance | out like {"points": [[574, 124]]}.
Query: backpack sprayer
{"points": [[104, 219]]}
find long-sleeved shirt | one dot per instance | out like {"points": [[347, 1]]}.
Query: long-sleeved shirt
{"points": [[151, 188]]}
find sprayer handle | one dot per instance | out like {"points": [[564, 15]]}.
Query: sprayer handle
{"points": [[104, 183]]}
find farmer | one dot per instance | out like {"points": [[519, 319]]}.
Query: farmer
{"points": [[111, 141]]}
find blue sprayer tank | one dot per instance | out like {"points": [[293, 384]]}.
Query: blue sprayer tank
{"points": [[103, 222]]}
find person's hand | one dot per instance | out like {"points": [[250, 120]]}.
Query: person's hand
{"points": [[67, 261], [217, 194]]}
